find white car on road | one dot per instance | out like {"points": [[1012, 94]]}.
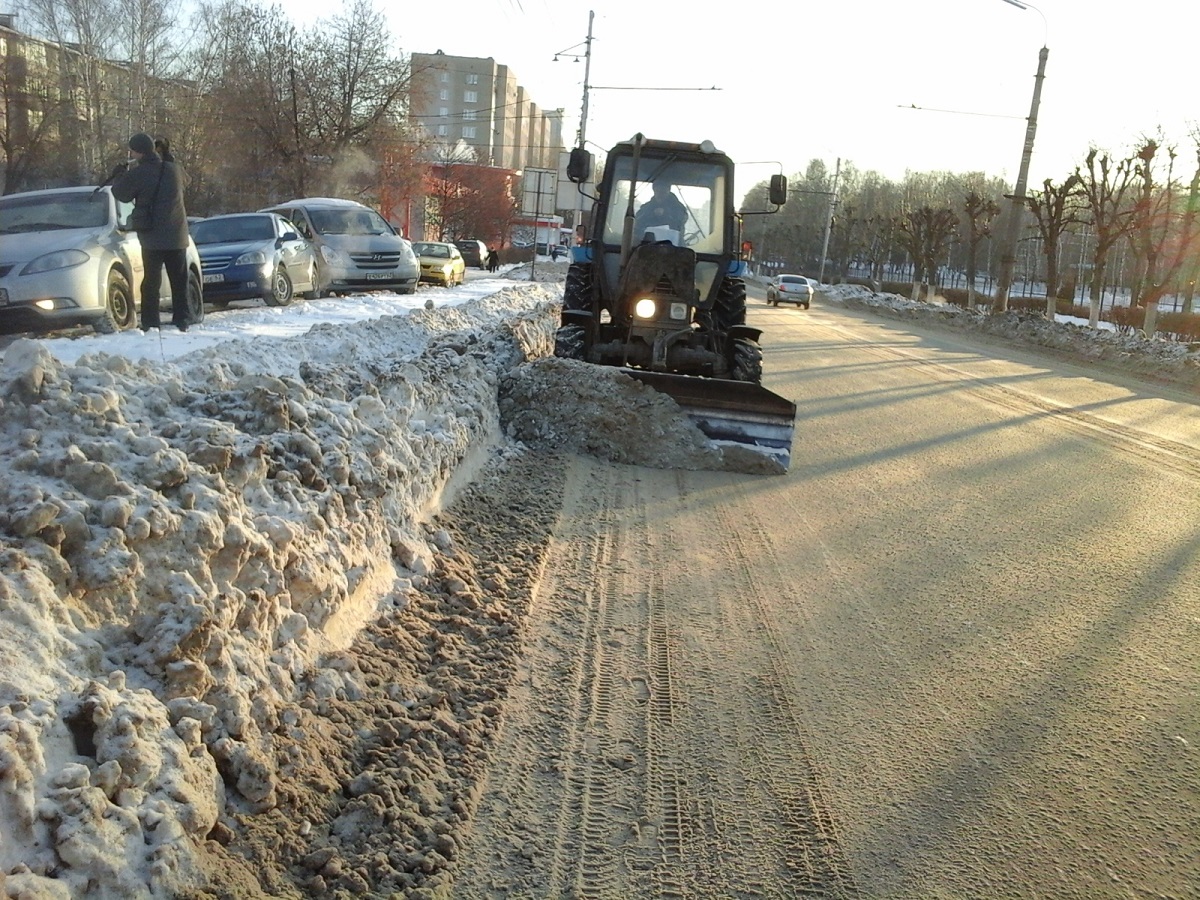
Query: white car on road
{"points": [[790, 289]]}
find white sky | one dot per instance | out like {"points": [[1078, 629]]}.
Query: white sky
{"points": [[829, 80]]}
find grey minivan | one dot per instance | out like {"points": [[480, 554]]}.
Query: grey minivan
{"points": [[359, 250]]}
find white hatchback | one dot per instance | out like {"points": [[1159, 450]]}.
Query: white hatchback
{"points": [[68, 258], [790, 289]]}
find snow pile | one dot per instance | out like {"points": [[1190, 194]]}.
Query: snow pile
{"points": [[181, 544], [1160, 359], [570, 406]]}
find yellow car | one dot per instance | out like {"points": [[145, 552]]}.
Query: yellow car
{"points": [[440, 263]]}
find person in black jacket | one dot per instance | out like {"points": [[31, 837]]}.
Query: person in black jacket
{"points": [[156, 188]]}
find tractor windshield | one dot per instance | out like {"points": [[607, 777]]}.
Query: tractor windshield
{"points": [[680, 201]]}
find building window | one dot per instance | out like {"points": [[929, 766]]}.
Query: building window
{"points": [[443, 110], [443, 77], [469, 115], [470, 96], [444, 94], [469, 132], [472, 78], [443, 130]]}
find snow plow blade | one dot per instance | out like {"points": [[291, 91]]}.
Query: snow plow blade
{"points": [[736, 412]]}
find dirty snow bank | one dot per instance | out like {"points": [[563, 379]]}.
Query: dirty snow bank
{"points": [[180, 547]]}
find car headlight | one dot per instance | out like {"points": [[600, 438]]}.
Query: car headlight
{"points": [[335, 257], [59, 259], [644, 308], [252, 258]]}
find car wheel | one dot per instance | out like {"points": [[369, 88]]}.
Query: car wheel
{"points": [[806, 306], [314, 278], [280, 293], [119, 311], [195, 299]]}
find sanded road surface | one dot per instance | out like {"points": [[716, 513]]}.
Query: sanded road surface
{"points": [[954, 652]]}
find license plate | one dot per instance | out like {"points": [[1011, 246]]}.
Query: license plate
{"points": [[378, 276], [214, 278]]}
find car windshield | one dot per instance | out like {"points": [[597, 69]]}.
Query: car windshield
{"points": [[439, 251], [234, 229], [349, 221], [53, 212]]}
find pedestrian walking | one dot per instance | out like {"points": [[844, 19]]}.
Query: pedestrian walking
{"points": [[493, 260], [155, 186]]}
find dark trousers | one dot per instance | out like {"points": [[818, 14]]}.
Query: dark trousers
{"points": [[175, 262]]}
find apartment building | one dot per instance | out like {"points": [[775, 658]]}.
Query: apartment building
{"points": [[481, 103]]}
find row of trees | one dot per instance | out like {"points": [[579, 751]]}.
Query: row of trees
{"points": [[936, 222], [256, 110]]}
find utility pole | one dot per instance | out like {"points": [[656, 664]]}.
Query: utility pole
{"points": [[1008, 253], [837, 172]]}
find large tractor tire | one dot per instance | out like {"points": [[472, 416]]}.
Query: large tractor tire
{"points": [[571, 340], [730, 307], [746, 363], [577, 292]]}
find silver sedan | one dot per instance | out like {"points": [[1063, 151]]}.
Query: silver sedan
{"points": [[66, 258]]}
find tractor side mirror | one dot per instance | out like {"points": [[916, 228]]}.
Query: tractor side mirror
{"points": [[579, 165], [778, 190]]}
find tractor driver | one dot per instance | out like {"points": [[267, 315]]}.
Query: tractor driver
{"points": [[663, 208]]}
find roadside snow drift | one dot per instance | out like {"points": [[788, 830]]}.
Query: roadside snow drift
{"points": [[179, 546]]}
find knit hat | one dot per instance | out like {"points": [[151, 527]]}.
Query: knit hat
{"points": [[142, 143]]}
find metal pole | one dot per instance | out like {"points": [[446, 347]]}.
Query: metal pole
{"points": [[1008, 255], [583, 116], [837, 171]]}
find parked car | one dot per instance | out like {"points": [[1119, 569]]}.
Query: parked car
{"points": [[475, 253], [790, 289], [67, 258], [440, 263], [248, 255], [358, 250]]}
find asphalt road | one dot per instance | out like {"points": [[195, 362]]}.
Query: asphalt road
{"points": [[954, 652]]}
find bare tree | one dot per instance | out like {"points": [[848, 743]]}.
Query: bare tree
{"points": [[1164, 234], [926, 234], [980, 212], [32, 110], [1054, 208], [1107, 192]]}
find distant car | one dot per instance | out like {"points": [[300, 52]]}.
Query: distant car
{"points": [[475, 253], [440, 263], [790, 289], [358, 250], [67, 258], [249, 255]]}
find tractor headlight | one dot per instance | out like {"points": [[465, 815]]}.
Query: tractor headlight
{"points": [[645, 308], [679, 311]]}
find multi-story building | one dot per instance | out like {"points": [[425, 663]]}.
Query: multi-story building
{"points": [[480, 103]]}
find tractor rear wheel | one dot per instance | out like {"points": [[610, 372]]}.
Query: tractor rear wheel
{"points": [[730, 307], [577, 292], [570, 342]]}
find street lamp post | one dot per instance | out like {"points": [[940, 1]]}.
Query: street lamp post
{"points": [[1008, 254]]}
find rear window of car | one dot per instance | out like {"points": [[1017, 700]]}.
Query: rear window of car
{"points": [[793, 279]]}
